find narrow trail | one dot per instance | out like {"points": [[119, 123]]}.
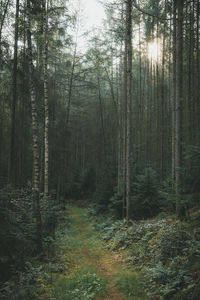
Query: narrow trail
{"points": [[84, 253], [107, 263]]}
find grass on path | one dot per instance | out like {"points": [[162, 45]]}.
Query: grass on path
{"points": [[94, 272]]}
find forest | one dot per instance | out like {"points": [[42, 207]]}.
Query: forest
{"points": [[100, 150]]}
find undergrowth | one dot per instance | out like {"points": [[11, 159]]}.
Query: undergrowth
{"points": [[132, 285], [83, 285], [165, 250]]}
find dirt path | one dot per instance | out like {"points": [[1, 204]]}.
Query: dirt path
{"points": [[107, 263], [89, 269]]}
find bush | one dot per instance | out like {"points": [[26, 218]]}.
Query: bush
{"points": [[116, 204], [104, 190], [167, 280], [175, 240], [17, 230], [146, 198]]}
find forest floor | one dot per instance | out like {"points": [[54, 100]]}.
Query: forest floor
{"points": [[93, 271]]}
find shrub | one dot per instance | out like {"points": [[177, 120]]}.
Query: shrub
{"points": [[17, 230], [175, 240], [116, 204], [167, 280], [104, 190], [146, 199]]}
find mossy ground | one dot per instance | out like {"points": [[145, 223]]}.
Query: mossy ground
{"points": [[92, 271]]}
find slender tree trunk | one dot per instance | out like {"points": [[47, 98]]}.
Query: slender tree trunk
{"points": [[120, 134], [102, 119], [140, 103], [71, 86], [129, 100], [124, 131], [198, 67], [189, 73], [174, 95], [46, 109], [36, 202], [178, 104], [163, 133], [14, 99]]}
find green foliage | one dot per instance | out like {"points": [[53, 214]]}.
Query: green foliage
{"points": [[17, 229], [115, 204], [132, 285], [191, 173], [28, 286], [163, 248], [146, 199], [175, 240], [82, 286], [167, 196], [104, 190], [52, 213], [80, 184], [18, 248], [167, 280]]}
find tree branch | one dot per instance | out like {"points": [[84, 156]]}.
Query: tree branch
{"points": [[149, 13]]}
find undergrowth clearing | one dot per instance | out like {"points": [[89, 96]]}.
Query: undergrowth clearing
{"points": [[96, 257]]}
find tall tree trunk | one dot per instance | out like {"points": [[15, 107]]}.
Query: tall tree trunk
{"points": [[71, 85], [124, 131], [174, 95], [129, 99], [120, 134], [198, 66], [14, 98], [46, 109], [102, 119], [36, 202], [163, 132], [124, 118], [178, 104]]}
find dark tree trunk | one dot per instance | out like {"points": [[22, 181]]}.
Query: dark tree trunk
{"points": [[178, 103], [128, 109], [14, 100], [46, 108]]}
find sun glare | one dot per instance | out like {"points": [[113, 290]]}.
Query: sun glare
{"points": [[154, 50]]}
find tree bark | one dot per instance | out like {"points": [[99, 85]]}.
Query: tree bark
{"points": [[174, 96], [163, 133], [14, 98], [46, 109], [178, 104], [129, 99], [36, 202]]}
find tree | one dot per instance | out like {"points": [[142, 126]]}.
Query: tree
{"points": [[178, 103], [36, 202], [128, 75], [46, 109], [14, 98]]}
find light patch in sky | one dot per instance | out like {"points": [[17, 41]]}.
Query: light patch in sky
{"points": [[93, 13], [91, 17]]}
